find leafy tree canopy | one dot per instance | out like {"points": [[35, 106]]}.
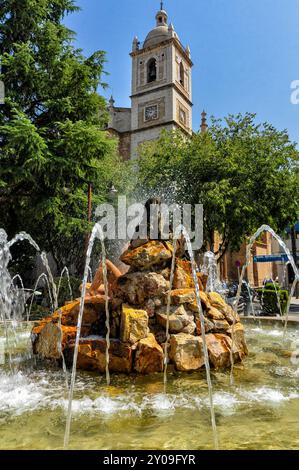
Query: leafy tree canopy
{"points": [[52, 142], [245, 175]]}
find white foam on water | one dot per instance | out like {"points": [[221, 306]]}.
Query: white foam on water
{"points": [[268, 395], [21, 393], [102, 405], [275, 333], [160, 402], [168, 403], [286, 371], [24, 335], [227, 402], [18, 394]]}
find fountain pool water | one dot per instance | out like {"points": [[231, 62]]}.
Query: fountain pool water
{"points": [[135, 411], [260, 412]]}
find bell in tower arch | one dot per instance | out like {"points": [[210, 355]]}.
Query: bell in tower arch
{"points": [[152, 71]]}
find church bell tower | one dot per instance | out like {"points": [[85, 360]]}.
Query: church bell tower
{"points": [[161, 84]]}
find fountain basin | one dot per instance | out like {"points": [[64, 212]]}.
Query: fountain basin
{"points": [[259, 412]]}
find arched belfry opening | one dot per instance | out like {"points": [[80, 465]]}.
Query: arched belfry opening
{"points": [[151, 70], [182, 74]]}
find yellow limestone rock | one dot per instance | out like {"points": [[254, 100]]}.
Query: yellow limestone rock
{"points": [[182, 296], [183, 277], [215, 314], [150, 254], [230, 315], [134, 324], [217, 301], [205, 303]]}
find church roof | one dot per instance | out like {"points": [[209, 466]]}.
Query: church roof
{"points": [[156, 36]]}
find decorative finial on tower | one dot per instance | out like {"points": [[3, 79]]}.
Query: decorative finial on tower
{"points": [[162, 16], [136, 44], [171, 31], [204, 125]]}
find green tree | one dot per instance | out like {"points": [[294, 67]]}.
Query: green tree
{"points": [[52, 142], [245, 175]]}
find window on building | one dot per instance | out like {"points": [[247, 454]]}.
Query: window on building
{"points": [[182, 74], [151, 71]]}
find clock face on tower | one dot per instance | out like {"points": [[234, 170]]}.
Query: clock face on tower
{"points": [[151, 113]]}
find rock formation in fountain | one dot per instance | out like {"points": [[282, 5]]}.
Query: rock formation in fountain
{"points": [[137, 303]]}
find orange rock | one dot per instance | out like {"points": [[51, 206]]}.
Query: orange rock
{"points": [[204, 278], [183, 277], [219, 346], [93, 307], [215, 314], [220, 326], [51, 340], [239, 338], [186, 351], [149, 356], [217, 301], [41, 324], [208, 326], [92, 355], [150, 254], [182, 296], [205, 303], [137, 287], [88, 286], [230, 315]]}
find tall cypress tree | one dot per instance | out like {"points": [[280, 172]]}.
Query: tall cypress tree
{"points": [[52, 142]]}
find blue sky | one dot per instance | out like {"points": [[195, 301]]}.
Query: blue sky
{"points": [[245, 52]]}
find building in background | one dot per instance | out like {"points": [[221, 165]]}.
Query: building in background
{"points": [[232, 262], [161, 89]]}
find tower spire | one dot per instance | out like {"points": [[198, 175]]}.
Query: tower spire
{"points": [[161, 5], [204, 125]]}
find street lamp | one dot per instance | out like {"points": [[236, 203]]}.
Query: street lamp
{"points": [[113, 191], [294, 251]]}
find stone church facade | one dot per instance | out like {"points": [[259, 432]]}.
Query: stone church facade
{"points": [[161, 92]]}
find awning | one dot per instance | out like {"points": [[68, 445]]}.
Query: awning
{"points": [[296, 228], [271, 258]]}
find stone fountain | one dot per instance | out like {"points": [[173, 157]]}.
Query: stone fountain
{"points": [[138, 319]]}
